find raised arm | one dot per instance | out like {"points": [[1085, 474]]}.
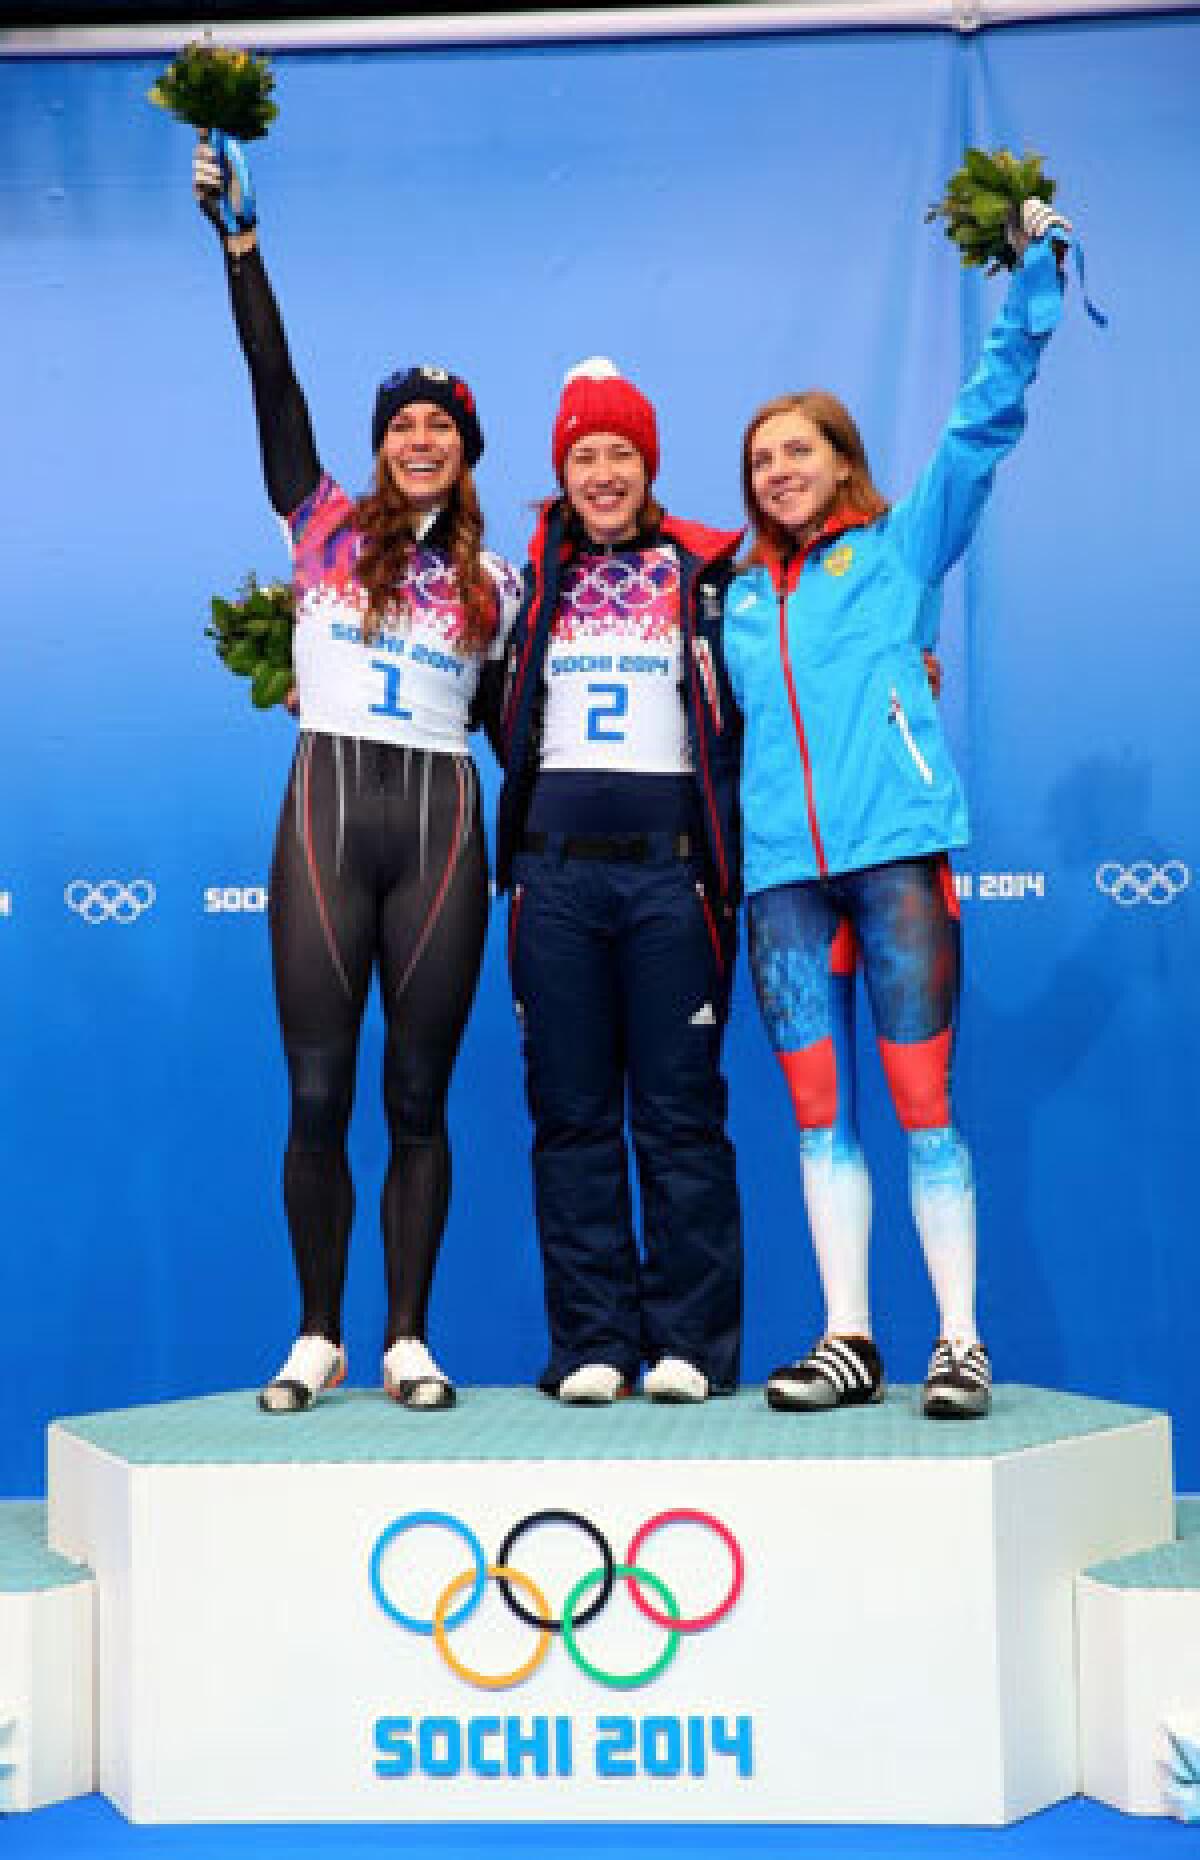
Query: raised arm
{"points": [[933, 525], [291, 466]]}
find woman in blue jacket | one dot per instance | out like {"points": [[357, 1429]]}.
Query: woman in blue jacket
{"points": [[850, 806]]}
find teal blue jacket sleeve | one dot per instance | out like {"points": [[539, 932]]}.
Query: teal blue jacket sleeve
{"points": [[932, 526]]}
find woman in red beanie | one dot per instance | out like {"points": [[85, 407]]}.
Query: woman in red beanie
{"points": [[618, 841]]}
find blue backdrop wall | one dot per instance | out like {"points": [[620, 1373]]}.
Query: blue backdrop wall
{"points": [[729, 219]]}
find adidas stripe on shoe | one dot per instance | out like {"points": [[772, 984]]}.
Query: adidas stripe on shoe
{"points": [[958, 1384], [838, 1372]]}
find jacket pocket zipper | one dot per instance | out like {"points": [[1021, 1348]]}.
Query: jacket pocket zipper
{"points": [[710, 924], [896, 715]]}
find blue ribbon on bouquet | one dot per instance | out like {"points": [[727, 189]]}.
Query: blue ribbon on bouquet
{"points": [[1098, 316], [1058, 237], [229, 152]]}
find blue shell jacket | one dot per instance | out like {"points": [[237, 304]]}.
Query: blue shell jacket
{"points": [[844, 762]]}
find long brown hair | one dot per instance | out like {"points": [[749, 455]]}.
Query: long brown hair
{"points": [[388, 526], [834, 421]]}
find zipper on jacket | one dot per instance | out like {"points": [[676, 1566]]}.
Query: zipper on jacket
{"points": [[708, 680], [797, 719], [687, 636], [896, 715]]}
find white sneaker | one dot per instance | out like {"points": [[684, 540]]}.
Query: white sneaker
{"points": [[313, 1365], [411, 1377], [672, 1379], [592, 1385]]}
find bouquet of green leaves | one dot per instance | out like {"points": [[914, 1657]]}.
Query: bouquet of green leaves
{"points": [[982, 204], [216, 87], [253, 637]]}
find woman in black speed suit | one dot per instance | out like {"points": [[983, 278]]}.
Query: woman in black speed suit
{"points": [[380, 855]]}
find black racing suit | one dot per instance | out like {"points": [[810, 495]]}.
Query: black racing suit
{"points": [[379, 861]]}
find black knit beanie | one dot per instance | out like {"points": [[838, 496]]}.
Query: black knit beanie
{"points": [[444, 390]]}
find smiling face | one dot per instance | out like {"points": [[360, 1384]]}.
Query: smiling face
{"points": [[423, 452], [796, 475], [606, 483]]}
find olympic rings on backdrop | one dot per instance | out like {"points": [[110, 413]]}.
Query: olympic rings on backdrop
{"points": [[1142, 882], [622, 1682], [494, 1682], [574, 1617], [110, 900], [531, 1523], [697, 1623], [441, 1520]]}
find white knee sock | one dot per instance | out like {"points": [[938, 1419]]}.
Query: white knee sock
{"points": [[837, 1197], [943, 1206]]}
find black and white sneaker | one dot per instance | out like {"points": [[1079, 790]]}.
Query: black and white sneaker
{"points": [[958, 1386], [313, 1365], [838, 1372], [411, 1377]]}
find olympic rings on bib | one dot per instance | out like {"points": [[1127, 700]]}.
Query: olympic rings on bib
{"points": [[531, 1523], [622, 1682], [441, 1520], [627, 586], [433, 583], [493, 1682], [697, 1623]]}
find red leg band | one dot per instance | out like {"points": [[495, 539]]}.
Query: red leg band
{"points": [[918, 1078], [811, 1076]]}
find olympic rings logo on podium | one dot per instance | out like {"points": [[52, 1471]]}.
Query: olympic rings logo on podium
{"points": [[1143, 882], [514, 1584], [110, 900]]}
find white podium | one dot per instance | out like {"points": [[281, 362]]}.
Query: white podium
{"points": [[1139, 1667], [46, 1724], [876, 1612]]}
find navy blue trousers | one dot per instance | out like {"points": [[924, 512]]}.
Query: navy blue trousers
{"points": [[621, 979]]}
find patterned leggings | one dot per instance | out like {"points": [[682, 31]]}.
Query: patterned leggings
{"points": [[903, 920]]}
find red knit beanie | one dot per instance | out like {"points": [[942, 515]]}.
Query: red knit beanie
{"points": [[596, 399]]}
